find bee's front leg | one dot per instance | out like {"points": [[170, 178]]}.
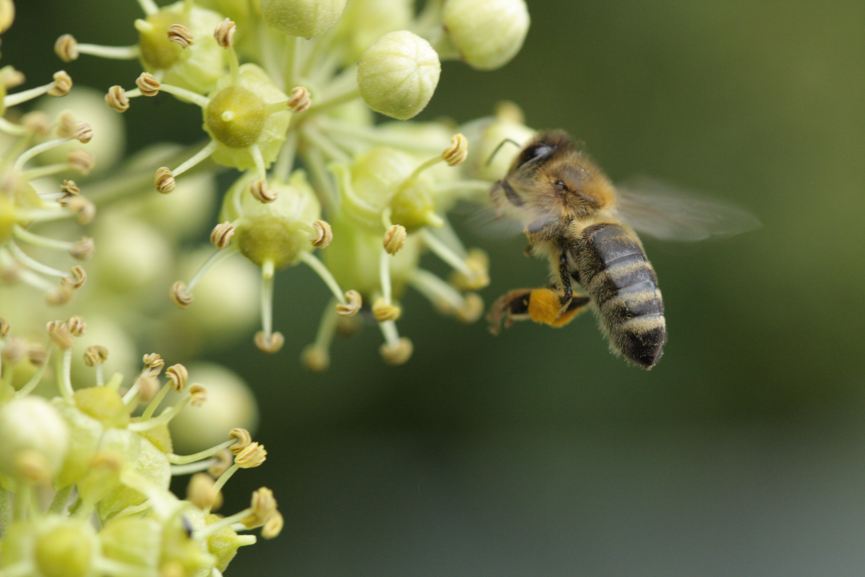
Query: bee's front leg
{"points": [[541, 305]]}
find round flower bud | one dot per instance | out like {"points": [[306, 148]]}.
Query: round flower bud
{"points": [[229, 404], [306, 18], [66, 549], [32, 429], [278, 231], [241, 114], [197, 67], [398, 75], [486, 33], [184, 213], [131, 256], [364, 21], [108, 131]]}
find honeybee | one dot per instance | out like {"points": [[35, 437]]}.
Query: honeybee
{"points": [[573, 216]]}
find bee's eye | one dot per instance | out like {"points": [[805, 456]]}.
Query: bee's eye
{"points": [[534, 152]]}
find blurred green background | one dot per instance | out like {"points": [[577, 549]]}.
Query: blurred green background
{"points": [[537, 452]]}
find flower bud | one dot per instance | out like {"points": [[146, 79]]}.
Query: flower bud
{"points": [[486, 33], [398, 75], [229, 404], [364, 21], [198, 67], [32, 429], [306, 18], [278, 231], [240, 115], [132, 256]]}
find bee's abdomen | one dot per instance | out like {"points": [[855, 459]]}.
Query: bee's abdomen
{"points": [[614, 269]]}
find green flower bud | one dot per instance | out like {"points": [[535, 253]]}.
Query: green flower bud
{"points": [[278, 231], [248, 113], [306, 18], [197, 67], [398, 75], [32, 430], [109, 135], [486, 33], [66, 549], [230, 404], [131, 257], [364, 21], [133, 541]]}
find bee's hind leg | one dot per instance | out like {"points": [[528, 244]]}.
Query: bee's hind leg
{"points": [[541, 305]]}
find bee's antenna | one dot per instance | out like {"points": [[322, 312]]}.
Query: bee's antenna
{"points": [[499, 147]]}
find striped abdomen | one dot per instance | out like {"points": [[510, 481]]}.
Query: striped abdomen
{"points": [[611, 265]]}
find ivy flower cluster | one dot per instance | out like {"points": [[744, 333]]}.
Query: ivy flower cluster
{"points": [[85, 473], [286, 90]]}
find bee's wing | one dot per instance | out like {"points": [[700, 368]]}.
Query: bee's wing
{"points": [[660, 211]]}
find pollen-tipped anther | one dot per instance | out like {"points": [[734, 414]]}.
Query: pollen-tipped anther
{"points": [[224, 33], [66, 48], [384, 311], [262, 192], [153, 363], [221, 235], [164, 181], [82, 249], [315, 358], [84, 209], [273, 527], [148, 386], [269, 344], [117, 99], [69, 188], [60, 334], [180, 35], [180, 295], [352, 304], [177, 376], [95, 355], [397, 353], [457, 152], [197, 395], [323, 234], [76, 279], [262, 508], [242, 439], [394, 238], [203, 493], [472, 309], [299, 100], [250, 457], [62, 84], [81, 160], [148, 84]]}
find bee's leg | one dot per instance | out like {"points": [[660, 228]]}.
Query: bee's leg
{"points": [[511, 306], [541, 305], [565, 278]]}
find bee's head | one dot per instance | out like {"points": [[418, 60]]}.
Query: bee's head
{"points": [[550, 179]]}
